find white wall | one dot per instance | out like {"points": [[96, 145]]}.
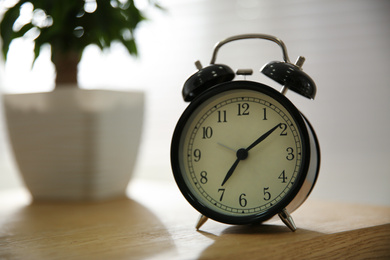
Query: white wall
{"points": [[346, 45]]}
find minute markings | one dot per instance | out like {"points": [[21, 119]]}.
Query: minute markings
{"points": [[206, 192]]}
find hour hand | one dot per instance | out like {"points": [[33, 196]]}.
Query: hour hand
{"points": [[230, 172], [242, 154]]}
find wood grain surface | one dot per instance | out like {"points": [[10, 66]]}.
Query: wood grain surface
{"points": [[155, 222]]}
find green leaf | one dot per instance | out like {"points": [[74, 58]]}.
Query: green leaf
{"points": [[6, 27], [131, 46], [102, 27]]}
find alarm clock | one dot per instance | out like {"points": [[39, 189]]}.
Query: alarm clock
{"points": [[241, 152]]}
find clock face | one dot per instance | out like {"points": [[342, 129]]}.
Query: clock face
{"points": [[238, 152]]}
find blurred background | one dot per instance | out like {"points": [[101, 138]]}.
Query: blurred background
{"points": [[347, 49]]}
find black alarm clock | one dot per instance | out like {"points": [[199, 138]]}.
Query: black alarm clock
{"points": [[241, 152]]}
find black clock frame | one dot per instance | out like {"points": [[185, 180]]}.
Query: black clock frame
{"points": [[301, 176]]}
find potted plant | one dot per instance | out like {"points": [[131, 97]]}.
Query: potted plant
{"points": [[74, 144]]}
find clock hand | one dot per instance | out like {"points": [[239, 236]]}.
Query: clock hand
{"points": [[261, 138], [242, 153], [227, 147], [231, 170]]}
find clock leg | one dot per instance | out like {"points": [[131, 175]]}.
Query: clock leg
{"points": [[202, 219], [287, 220]]}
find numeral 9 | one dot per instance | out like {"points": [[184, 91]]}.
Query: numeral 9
{"points": [[197, 155]]}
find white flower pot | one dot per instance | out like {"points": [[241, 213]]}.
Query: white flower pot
{"points": [[73, 144]]}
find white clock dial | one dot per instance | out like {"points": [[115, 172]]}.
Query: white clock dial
{"points": [[251, 137]]}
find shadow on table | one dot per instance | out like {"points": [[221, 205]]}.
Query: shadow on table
{"points": [[116, 229], [255, 241]]}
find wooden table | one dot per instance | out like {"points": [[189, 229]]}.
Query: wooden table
{"points": [[155, 222]]}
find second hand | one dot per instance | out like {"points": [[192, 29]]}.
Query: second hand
{"points": [[227, 147]]}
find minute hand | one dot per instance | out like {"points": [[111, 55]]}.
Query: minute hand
{"points": [[261, 138], [242, 153]]}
